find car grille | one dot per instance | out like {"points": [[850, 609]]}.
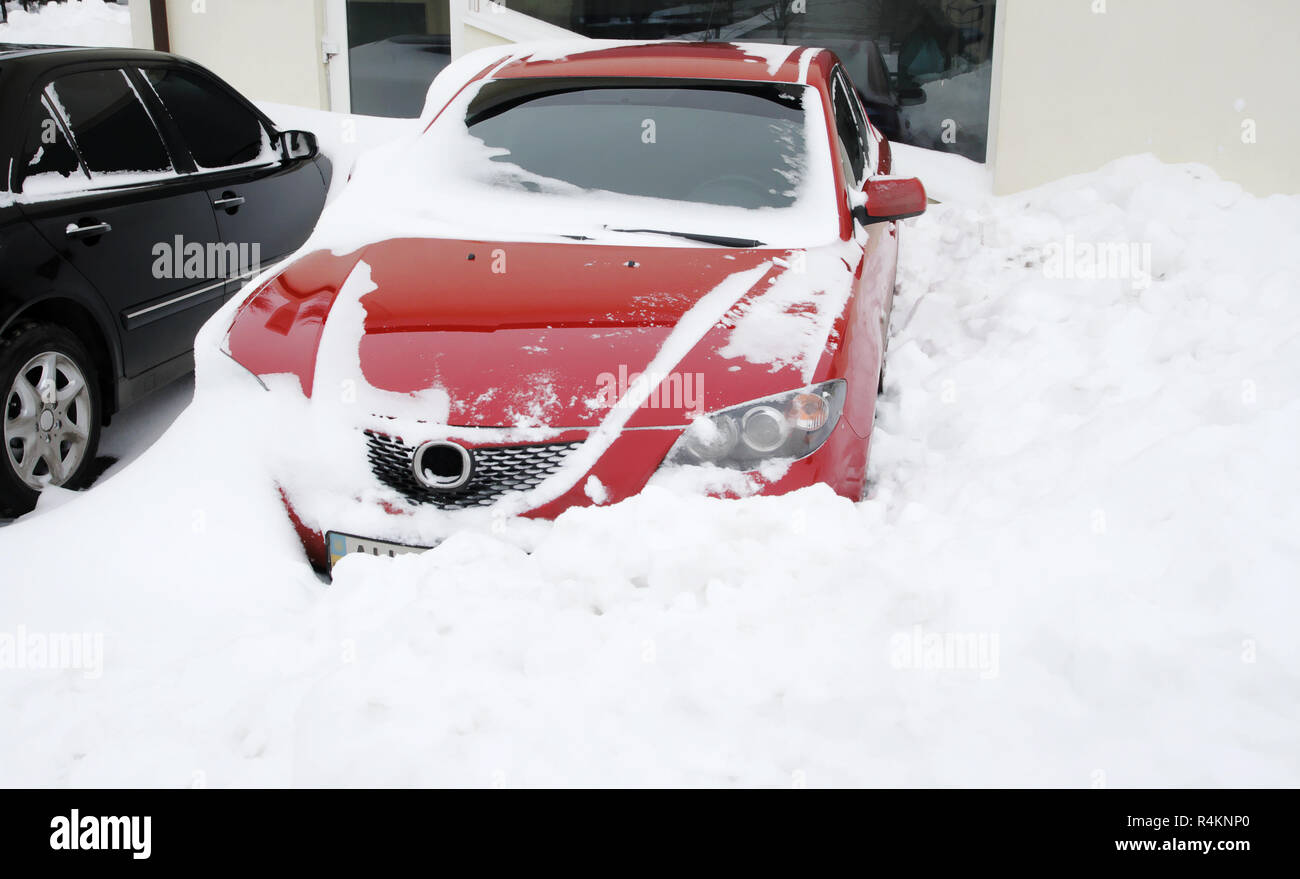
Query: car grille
{"points": [[498, 470]]}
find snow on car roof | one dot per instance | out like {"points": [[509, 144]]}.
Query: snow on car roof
{"points": [[671, 59]]}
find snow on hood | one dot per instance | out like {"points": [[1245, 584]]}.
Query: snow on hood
{"points": [[793, 322]]}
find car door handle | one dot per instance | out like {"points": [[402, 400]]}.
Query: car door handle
{"points": [[93, 230], [228, 201]]}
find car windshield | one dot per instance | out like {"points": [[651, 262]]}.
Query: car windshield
{"points": [[733, 144]]}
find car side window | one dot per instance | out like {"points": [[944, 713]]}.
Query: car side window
{"points": [[111, 128], [218, 129], [851, 135], [48, 161], [862, 123]]}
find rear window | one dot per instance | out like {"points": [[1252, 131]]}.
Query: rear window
{"points": [[112, 129], [730, 144], [47, 155]]}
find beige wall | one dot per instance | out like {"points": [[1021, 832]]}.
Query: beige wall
{"points": [[141, 25], [1177, 78], [268, 49], [477, 24], [476, 38]]}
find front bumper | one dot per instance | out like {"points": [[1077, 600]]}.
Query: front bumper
{"points": [[623, 471]]}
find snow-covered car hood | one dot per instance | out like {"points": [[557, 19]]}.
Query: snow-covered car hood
{"points": [[539, 334]]}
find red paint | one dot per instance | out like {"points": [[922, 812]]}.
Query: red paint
{"points": [[278, 328], [482, 73], [313, 541], [660, 60], [495, 340], [895, 197]]}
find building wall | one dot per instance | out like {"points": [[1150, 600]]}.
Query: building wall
{"points": [[268, 49], [1077, 83], [477, 38], [477, 24], [1078, 87]]}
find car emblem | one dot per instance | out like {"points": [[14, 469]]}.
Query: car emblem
{"points": [[442, 465]]}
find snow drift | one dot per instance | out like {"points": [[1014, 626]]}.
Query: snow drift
{"points": [[1076, 567]]}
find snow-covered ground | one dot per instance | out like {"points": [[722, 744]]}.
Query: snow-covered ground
{"points": [[70, 23], [1088, 482], [1077, 565]]}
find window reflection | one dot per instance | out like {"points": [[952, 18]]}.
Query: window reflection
{"points": [[395, 49], [922, 67]]}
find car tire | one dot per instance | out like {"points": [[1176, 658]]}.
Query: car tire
{"points": [[50, 414]]}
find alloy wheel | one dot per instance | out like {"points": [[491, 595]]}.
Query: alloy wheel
{"points": [[47, 420]]}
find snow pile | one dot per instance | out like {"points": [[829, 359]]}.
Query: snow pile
{"points": [[70, 23], [1076, 567], [947, 176], [343, 138]]}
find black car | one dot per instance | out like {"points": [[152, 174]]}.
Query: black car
{"points": [[138, 191]]}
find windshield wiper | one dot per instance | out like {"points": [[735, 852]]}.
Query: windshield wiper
{"points": [[719, 240]]}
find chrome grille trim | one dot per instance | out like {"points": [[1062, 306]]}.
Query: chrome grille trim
{"points": [[498, 470]]}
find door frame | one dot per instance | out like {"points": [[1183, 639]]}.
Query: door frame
{"points": [[335, 40]]}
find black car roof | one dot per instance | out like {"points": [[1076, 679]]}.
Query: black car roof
{"points": [[36, 55]]}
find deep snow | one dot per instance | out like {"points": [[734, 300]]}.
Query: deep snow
{"points": [[1094, 480], [1088, 480]]}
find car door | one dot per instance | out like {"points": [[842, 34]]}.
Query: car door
{"points": [[266, 203], [101, 186]]}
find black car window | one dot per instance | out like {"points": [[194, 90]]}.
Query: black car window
{"points": [[112, 129], [218, 129], [47, 154], [846, 125], [860, 122]]}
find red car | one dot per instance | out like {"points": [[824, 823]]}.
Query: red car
{"points": [[687, 272]]}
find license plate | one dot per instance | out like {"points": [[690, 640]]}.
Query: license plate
{"points": [[342, 544]]}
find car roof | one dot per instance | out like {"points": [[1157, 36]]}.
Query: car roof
{"points": [[42, 55], [747, 62]]}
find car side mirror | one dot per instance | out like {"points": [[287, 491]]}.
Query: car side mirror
{"points": [[298, 144], [891, 198], [911, 96]]}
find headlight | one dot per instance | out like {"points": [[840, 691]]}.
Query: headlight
{"points": [[744, 437]]}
